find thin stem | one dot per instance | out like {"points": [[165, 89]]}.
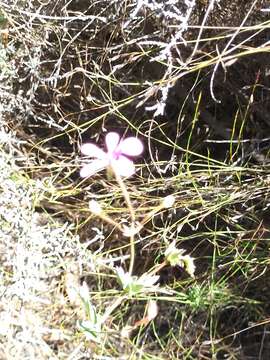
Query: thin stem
{"points": [[150, 215], [158, 268], [112, 307], [97, 210], [132, 216], [126, 195], [110, 221], [132, 254]]}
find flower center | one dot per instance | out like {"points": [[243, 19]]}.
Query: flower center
{"points": [[116, 154]]}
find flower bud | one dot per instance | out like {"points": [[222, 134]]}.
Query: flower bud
{"points": [[168, 201], [95, 207]]}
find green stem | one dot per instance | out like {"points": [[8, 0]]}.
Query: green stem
{"points": [[132, 254], [126, 196], [132, 216]]}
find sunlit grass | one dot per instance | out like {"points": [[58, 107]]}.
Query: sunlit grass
{"points": [[101, 283]]}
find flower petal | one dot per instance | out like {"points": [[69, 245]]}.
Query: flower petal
{"points": [[93, 167], [123, 166], [131, 146], [93, 151], [112, 140]]}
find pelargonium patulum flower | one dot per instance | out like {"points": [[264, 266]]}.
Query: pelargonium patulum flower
{"points": [[116, 157]]}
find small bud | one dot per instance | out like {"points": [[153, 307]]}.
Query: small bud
{"points": [[189, 265], [175, 257], [168, 201], [95, 207], [132, 230], [84, 292], [126, 332], [152, 310]]}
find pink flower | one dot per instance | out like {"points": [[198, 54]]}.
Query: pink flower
{"points": [[115, 157]]}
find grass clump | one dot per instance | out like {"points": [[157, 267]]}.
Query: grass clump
{"points": [[164, 256]]}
